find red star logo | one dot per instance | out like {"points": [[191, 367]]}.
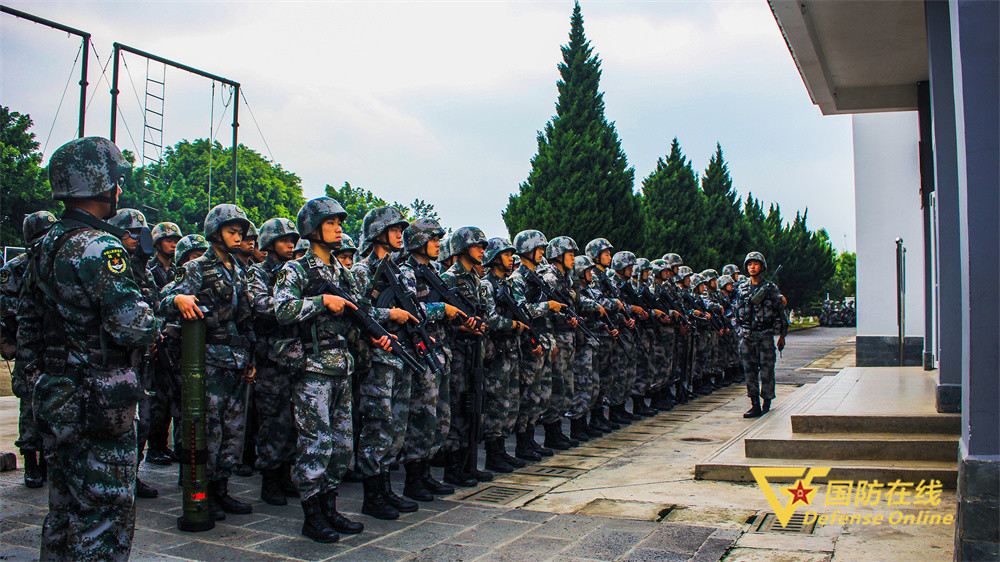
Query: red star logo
{"points": [[799, 493]]}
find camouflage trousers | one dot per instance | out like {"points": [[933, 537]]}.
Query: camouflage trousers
{"points": [[663, 356], [683, 358], [276, 421], [502, 388], [645, 359], [535, 374], [461, 372], [604, 367], [226, 390], [384, 404], [759, 354], [586, 382], [28, 437], [430, 415], [562, 377], [143, 421], [325, 437], [624, 361], [91, 496]]}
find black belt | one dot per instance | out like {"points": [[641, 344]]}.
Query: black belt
{"points": [[229, 340]]}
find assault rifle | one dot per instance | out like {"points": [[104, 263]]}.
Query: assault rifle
{"points": [[396, 293], [515, 311], [558, 296], [364, 321], [441, 293], [759, 294]]}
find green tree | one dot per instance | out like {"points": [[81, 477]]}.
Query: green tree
{"points": [[843, 282], [24, 186], [674, 212], [723, 208], [421, 208], [357, 201], [580, 184]]}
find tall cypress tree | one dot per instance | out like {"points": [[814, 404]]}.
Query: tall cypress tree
{"points": [[580, 184], [724, 208], [674, 210]]}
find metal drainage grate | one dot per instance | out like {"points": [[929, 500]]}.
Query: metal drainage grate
{"points": [[498, 494], [796, 525], [537, 470]]}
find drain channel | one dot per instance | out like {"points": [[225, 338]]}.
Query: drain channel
{"points": [[796, 525], [499, 495]]}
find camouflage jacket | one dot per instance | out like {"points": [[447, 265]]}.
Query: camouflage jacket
{"points": [[82, 321], [609, 290], [11, 280], [434, 311], [469, 284], [143, 278], [160, 274], [364, 274], [535, 304], [504, 325], [261, 278], [764, 319], [323, 335], [225, 292]]}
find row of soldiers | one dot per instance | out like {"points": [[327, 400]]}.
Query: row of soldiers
{"points": [[412, 347]]}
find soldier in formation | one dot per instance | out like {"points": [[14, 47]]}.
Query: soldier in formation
{"points": [[412, 350]]}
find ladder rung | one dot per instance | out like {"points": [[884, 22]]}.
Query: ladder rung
{"points": [[153, 96], [153, 112], [148, 126], [148, 79]]}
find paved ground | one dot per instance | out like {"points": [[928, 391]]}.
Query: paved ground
{"points": [[627, 496]]}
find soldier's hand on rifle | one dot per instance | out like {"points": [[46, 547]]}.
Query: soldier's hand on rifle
{"points": [[640, 312], [621, 305], [556, 306], [400, 316], [537, 352], [571, 321], [781, 343], [336, 304], [452, 311], [630, 323], [697, 313], [520, 326], [186, 306], [384, 342], [614, 333], [708, 316], [249, 373], [601, 312]]}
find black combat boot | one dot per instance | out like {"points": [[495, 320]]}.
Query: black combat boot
{"points": [[513, 461], [375, 504], [615, 415], [229, 504], [578, 429], [315, 526], [270, 487], [214, 511], [765, 405], [639, 407], [432, 484], [494, 459], [454, 472], [597, 421], [523, 450], [32, 474], [554, 437], [145, 491], [626, 414], [440, 459], [401, 505], [414, 488], [544, 451], [472, 466], [754, 411], [328, 504], [287, 486], [589, 429]]}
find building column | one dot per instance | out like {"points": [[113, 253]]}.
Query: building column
{"points": [[975, 33], [949, 288]]}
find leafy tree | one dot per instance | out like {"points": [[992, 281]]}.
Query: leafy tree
{"points": [[843, 282], [674, 212], [25, 186], [580, 184], [421, 208], [724, 210], [357, 201]]}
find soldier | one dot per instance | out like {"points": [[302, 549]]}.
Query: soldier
{"points": [[430, 393], [665, 336], [535, 369], [301, 248], [446, 257], [586, 382], [616, 370], [647, 338], [29, 441], [322, 393], [732, 365], [165, 238], [384, 389], [502, 358], [246, 254], [469, 246], [733, 271], [633, 351], [217, 281], [759, 317], [82, 321], [275, 366], [345, 254]]}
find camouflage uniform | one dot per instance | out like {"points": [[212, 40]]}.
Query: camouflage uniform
{"points": [[665, 337], [756, 325], [564, 335], [586, 379], [11, 280], [500, 363], [535, 373], [81, 323], [621, 366]]}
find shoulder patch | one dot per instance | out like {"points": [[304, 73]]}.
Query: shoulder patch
{"points": [[179, 275], [282, 275], [116, 260], [4, 275]]}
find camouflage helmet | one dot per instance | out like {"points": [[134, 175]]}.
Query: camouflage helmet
{"points": [[346, 244], [188, 243], [725, 280], [684, 271], [558, 246], [224, 214], [83, 168], [377, 221], [672, 260], [36, 224], [272, 229], [166, 230], [731, 270], [596, 246], [581, 264], [445, 248], [251, 232], [527, 241], [303, 245], [127, 219], [642, 264], [658, 266], [466, 237], [755, 256], [315, 211], [420, 232], [495, 247], [710, 274], [622, 260], [696, 280]]}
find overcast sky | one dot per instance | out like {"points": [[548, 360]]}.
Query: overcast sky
{"points": [[443, 100]]}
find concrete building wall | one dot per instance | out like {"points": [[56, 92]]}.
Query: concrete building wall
{"points": [[887, 206]]}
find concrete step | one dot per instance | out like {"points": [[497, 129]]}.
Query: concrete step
{"points": [[883, 471], [941, 424], [855, 446]]}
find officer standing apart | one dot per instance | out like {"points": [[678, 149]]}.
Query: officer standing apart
{"points": [[758, 318], [82, 325]]}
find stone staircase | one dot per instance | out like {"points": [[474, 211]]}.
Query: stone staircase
{"points": [[865, 423]]}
